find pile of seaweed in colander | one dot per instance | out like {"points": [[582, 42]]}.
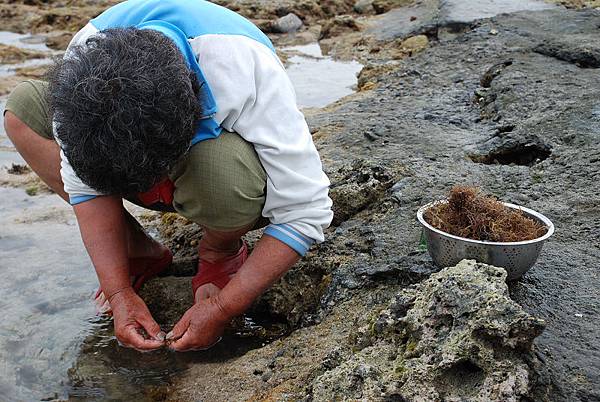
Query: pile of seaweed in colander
{"points": [[471, 214]]}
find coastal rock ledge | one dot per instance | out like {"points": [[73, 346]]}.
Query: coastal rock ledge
{"points": [[456, 336]]}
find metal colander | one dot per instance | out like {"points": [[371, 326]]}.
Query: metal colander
{"points": [[447, 250]]}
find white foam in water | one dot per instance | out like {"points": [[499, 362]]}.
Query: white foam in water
{"points": [[319, 80]]}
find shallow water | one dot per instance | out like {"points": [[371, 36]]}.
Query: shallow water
{"points": [[52, 345], [46, 288], [319, 80], [24, 41], [104, 369], [30, 42], [8, 155]]}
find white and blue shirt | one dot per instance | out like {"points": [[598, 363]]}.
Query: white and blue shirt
{"points": [[246, 90]]}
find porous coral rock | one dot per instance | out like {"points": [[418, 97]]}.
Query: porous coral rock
{"points": [[456, 336]]}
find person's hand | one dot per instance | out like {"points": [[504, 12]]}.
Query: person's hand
{"points": [[199, 328], [134, 325]]}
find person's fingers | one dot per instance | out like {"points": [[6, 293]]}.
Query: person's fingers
{"points": [[184, 343], [104, 308], [151, 327], [188, 343], [179, 329], [101, 298], [130, 337]]}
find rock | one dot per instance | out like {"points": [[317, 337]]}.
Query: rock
{"points": [[286, 24], [363, 183], [577, 49], [403, 22], [35, 72], [364, 7], [511, 148], [430, 16], [295, 295], [18, 169], [459, 13], [368, 78], [455, 336], [59, 40], [415, 44], [64, 18], [493, 72], [13, 55], [407, 268], [383, 6], [339, 25]]}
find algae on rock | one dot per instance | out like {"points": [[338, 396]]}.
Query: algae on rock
{"points": [[455, 336]]}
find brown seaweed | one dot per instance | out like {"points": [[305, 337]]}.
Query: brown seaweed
{"points": [[473, 215]]}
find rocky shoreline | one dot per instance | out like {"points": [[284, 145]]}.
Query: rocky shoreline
{"points": [[506, 102], [484, 105]]}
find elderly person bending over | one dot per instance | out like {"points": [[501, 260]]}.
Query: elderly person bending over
{"points": [[176, 105]]}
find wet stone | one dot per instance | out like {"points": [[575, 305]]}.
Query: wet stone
{"points": [[288, 23], [455, 13], [383, 6], [361, 184], [364, 6], [407, 21], [339, 25]]}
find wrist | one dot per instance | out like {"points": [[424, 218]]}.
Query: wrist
{"points": [[226, 310], [120, 292]]}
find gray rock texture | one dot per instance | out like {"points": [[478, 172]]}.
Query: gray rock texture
{"points": [[363, 6], [456, 336], [288, 23], [429, 16], [463, 12]]}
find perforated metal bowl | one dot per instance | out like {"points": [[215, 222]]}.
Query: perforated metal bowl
{"points": [[447, 250]]}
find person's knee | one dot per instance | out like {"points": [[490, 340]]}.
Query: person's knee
{"points": [[13, 126], [221, 184]]}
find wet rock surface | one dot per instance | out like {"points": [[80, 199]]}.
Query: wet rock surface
{"points": [[288, 23]]}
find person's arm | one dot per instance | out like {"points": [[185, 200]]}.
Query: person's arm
{"points": [[102, 226], [202, 325]]}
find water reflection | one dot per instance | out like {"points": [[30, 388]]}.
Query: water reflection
{"points": [[104, 369], [319, 80], [44, 294]]}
